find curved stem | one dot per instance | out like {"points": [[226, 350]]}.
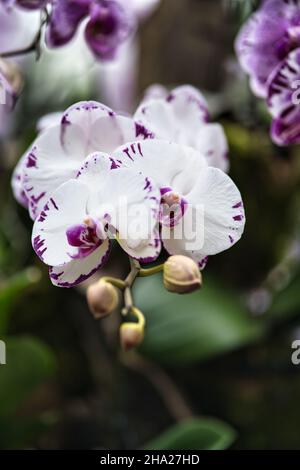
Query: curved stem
{"points": [[165, 386], [128, 301], [150, 271], [115, 282], [33, 47], [135, 269], [139, 316]]}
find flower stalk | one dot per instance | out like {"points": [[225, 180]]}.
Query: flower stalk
{"points": [[35, 45], [131, 333]]}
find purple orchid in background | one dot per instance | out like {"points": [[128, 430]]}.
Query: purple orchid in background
{"points": [[266, 39], [109, 24], [284, 102], [268, 47]]}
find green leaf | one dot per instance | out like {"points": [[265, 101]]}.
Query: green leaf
{"points": [[17, 433], [195, 434], [286, 303], [193, 327], [28, 363], [12, 289]]}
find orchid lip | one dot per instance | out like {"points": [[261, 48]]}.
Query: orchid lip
{"points": [[87, 237], [173, 207]]}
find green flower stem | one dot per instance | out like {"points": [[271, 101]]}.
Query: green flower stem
{"points": [[126, 285], [128, 301], [115, 282], [129, 281], [151, 271], [139, 316]]}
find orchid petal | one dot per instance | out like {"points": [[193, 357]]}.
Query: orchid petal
{"points": [[110, 24], [214, 220], [167, 163], [130, 200], [59, 151], [97, 128], [283, 100], [17, 182], [66, 208], [177, 117], [77, 271]]}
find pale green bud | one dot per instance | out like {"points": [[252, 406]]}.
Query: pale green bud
{"points": [[181, 275]]}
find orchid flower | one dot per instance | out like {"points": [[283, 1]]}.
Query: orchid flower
{"points": [[73, 231], [266, 39], [182, 116], [59, 151], [109, 24], [268, 48], [206, 213]]}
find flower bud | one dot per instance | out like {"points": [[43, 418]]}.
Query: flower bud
{"points": [[102, 298], [131, 335], [181, 275], [11, 83]]}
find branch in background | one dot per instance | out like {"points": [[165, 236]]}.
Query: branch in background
{"points": [[242, 8], [166, 388], [35, 46]]}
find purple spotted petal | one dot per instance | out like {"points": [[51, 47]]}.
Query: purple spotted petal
{"points": [[77, 271], [18, 183], [109, 26]]}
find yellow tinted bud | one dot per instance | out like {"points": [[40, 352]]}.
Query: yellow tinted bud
{"points": [[181, 275], [131, 335], [102, 298]]}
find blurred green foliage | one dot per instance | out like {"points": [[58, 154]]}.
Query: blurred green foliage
{"points": [[195, 434], [195, 327], [29, 363]]}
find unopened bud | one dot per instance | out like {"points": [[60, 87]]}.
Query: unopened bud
{"points": [[181, 275], [131, 335], [11, 83], [102, 298]]}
